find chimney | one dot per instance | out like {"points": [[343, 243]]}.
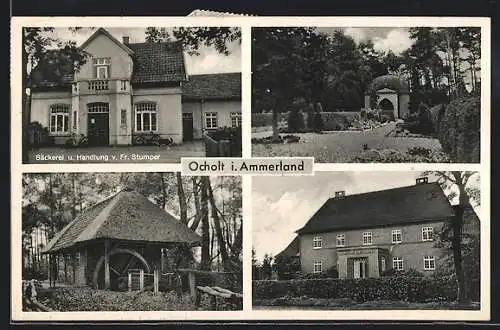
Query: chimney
{"points": [[126, 40], [422, 180], [339, 194]]}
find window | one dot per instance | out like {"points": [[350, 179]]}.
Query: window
{"points": [[59, 119], [396, 236], [317, 242], [123, 85], [429, 263], [397, 263], [98, 107], [340, 240], [145, 117], [101, 68], [211, 120], [235, 119], [123, 117], [367, 238], [382, 265], [317, 267], [427, 233], [75, 118]]}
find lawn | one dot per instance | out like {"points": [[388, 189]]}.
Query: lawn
{"points": [[118, 154], [339, 147], [347, 304]]}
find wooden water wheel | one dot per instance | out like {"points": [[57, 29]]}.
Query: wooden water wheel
{"points": [[120, 262]]}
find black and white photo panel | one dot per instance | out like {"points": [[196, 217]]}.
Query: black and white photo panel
{"points": [[129, 95], [367, 94], [367, 241], [131, 242]]}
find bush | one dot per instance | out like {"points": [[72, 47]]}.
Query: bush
{"points": [[424, 120], [38, 136], [295, 120], [413, 155], [459, 130], [318, 122], [395, 288], [262, 119], [338, 121], [233, 134]]}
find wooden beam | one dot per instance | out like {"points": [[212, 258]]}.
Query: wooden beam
{"points": [[107, 281]]}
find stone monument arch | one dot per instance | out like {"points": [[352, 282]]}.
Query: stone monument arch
{"points": [[393, 95]]}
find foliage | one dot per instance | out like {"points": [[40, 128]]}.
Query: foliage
{"points": [[192, 38], [38, 136], [459, 130], [295, 120], [412, 155], [86, 299], [232, 134], [394, 288], [286, 265]]}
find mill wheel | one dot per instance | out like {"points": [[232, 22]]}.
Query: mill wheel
{"points": [[120, 261]]}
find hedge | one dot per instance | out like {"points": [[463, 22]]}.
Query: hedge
{"points": [[331, 121], [459, 130], [395, 288]]}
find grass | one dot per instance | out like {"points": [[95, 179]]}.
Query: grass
{"points": [[339, 147], [303, 303], [118, 154]]}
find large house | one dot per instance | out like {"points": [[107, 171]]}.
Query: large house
{"points": [[367, 234], [126, 90]]}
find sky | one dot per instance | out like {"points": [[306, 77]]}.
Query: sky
{"points": [[396, 39], [209, 60], [282, 205]]}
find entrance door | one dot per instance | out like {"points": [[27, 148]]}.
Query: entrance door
{"points": [[360, 268], [98, 129], [187, 126]]}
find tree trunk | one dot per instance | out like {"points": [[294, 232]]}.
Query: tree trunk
{"points": [[276, 133], [182, 199], [456, 242], [218, 230], [163, 190], [205, 225], [197, 217], [73, 190]]}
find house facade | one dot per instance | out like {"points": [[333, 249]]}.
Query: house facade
{"points": [[367, 234], [123, 92]]}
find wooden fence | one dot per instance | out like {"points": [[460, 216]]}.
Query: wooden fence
{"points": [[138, 280]]}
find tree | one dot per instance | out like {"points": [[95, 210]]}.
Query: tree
{"points": [[267, 266], [286, 265], [39, 56], [192, 38], [453, 231]]}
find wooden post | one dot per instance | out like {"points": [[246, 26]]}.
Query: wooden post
{"points": [[49, 269], [192, 285], [155, 281], [73, 263], [141, 280], [129, 282], [107, 282]]}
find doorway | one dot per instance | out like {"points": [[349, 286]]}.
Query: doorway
{"points": [[187, 126], [98, 124], [360, 268]]}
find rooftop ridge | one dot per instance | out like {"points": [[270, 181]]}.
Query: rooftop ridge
{"points": [[383, 190]]}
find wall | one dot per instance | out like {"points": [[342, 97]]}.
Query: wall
{"points": [[412, 248], [223, 109], [169, 110], [102, 46], [326, 254], [404, 105], [40, 109]]}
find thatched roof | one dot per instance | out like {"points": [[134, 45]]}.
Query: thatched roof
{"points": [[127, 215]]}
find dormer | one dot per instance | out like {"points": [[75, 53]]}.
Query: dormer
{"points": [[109, 59]]}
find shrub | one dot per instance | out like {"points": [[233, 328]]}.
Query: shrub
{"points": [[310, 116], [425, 124], [459, 130], [395, 288], [38, 136], [336, 121], [262, 119], [413, 155], [318, 122], [295, 120], [232, 134]]}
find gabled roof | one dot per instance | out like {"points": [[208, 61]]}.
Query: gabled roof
{"points": [[292, 249], [127, 215], [212, 86], [161, 62], [107, 34], [405, 205]]}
